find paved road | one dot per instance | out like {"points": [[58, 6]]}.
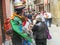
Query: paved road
{"points": [[55, 33]]}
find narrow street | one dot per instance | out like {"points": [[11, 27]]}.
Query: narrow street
{"points": [[55, 32], [21, 15]]}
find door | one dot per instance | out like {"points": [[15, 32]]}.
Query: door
{"points": [[2, 37], [0, 22]]}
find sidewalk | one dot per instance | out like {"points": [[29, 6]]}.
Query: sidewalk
{"points": [[55, 33]]}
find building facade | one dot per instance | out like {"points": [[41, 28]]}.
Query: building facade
{"points": [[5, 12], [55, 10], [54, 7], [29, 4], [39, 5]]}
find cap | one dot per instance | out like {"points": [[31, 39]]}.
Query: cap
{"points": [[18, 4]]}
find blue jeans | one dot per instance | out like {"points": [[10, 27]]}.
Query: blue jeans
{"points": [[26, 42], [47, 22]]}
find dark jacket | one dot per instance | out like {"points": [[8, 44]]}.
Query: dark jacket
{"points": [[40, 30], [30, 16]]}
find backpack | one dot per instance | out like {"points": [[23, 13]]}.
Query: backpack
{"points": [[40, 30]]}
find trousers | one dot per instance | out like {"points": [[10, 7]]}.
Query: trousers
{"points": [[25, 42], [41, 41]]}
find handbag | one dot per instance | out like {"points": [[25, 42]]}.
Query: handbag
{"points": [[48, 36]]}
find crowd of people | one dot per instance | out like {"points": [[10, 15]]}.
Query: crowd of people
{"points": [[32, 23], [46, 17], [37, 24]]}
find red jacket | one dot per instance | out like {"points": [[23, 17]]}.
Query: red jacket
{"points": [[7, 24]]}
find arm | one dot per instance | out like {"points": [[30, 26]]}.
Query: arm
{"points": [[34, 28]]}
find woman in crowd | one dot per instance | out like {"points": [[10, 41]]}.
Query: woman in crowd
{"points": [[40, 31]]}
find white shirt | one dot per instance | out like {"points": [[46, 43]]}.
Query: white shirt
{"points": [[34, 22], [49, 15], [42, 16], [27, 25]]}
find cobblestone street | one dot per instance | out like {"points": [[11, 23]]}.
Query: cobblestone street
{"points": [[55, 33]]}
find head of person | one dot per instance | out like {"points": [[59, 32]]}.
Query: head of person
{"points": [[18, 6], [42, 12], [38, 19], [30, 12], [38, 13], [26, 17]]}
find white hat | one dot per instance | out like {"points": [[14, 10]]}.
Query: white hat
{"points": [[38, 18], [18, 4]]}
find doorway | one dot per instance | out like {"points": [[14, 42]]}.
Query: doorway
{"points": [[2, 36]]}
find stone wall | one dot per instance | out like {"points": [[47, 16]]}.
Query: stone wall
{"points": [[55, 10], [58, 17]]}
